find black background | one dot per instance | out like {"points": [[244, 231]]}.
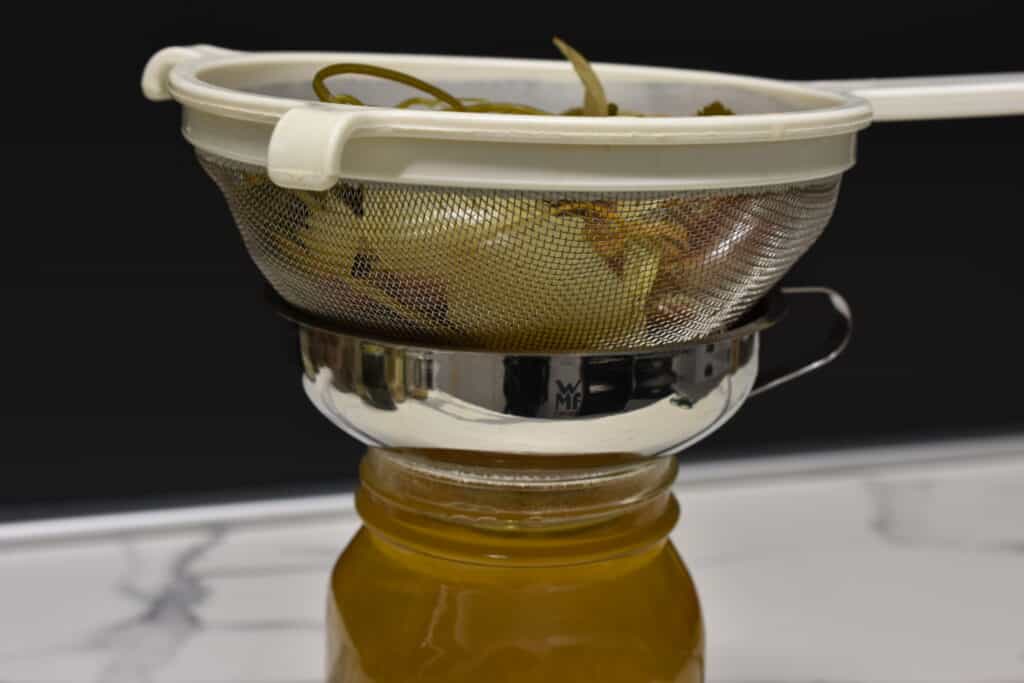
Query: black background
{"points": [[141, 365]]}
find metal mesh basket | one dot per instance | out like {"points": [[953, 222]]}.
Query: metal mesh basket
{"points": [[523, 271]]}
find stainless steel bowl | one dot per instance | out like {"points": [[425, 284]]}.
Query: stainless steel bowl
{"points": [[649, 402]]}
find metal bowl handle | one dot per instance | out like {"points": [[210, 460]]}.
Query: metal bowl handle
{"points": [[838, 338]]}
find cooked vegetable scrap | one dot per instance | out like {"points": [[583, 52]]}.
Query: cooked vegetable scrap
{"points": [[595, 102], [613, 227], [442, 265], [441, 268], [716, 108]]}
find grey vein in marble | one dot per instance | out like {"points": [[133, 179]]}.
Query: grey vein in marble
{"points": [[938, 513], [316, 625], [140, 646]]}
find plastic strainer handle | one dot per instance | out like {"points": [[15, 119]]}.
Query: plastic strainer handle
{"points": [[936, 97], [838, 339], [154, 76]]}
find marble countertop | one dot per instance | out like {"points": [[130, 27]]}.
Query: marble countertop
{"points": [[896, 565]]}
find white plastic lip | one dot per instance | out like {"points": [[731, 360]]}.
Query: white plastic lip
{"points": [[310, 145], [817, 113]]}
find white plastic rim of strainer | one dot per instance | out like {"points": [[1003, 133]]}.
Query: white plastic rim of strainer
{"points": [[258, 108]]}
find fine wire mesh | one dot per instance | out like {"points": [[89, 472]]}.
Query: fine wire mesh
{"points": [[521, 270]]}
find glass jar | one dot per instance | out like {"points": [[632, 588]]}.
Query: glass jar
{"points": [[483, 568]]}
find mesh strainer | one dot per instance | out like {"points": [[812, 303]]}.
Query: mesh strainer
{"points": [[527, 233]]}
